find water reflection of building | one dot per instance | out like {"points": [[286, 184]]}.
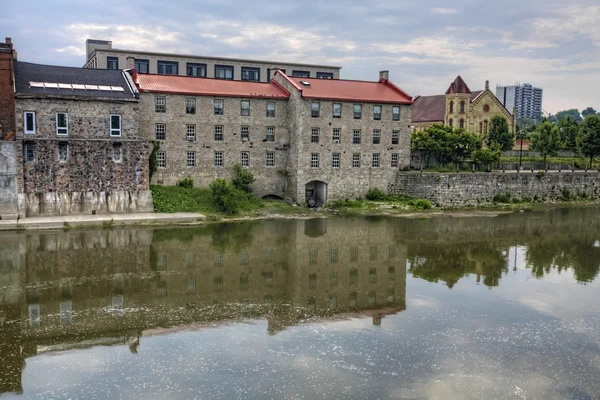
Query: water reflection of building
{"points": [[83, 288]]}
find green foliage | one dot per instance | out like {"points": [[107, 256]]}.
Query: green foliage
{"points": [[546, 140], [589, 111], [376, 194], [338, 204], [502, 198], [421, 204], [566, 194], [67, 226], [153, 165], [588, 140], [573, 113], [568, 129], [540, 174], [499, 133], [242, 178], [230, 200], [108, 224], [169, 199], [525, 126], [485, 158], [446, 143], [186, 182]]}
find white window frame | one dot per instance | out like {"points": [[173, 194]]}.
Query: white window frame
{"points": [[335, 160], [245, 133], [245, 159], [160, 104], [27, 146], [376, 115], [394, 118], [337, 135], [376, 136], [356, 136], [395, 160], [315, 109], [314, 160], [376, 160], [161, 159], [270, 158], [218, 134], [355, 160], [190, 159], [114, 132], [356, 107], [270, 109], [218, 159], [31, 131], [66, 155], [245, 111], [337, 114], [163, 128], [314, 135], [66, 128], [218, 110], [190, 105], [270, 133], [190, 132]]}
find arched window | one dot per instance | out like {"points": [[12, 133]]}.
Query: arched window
{"points": [[481, 127], [486, 108], [462, 106], [450, 122], [462, 124], [451, 107], [485, 127]]}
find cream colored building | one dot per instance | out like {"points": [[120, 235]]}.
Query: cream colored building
{"points": [[459, 108], [101, 55]]}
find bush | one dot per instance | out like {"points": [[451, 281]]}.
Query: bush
{"points": [[186, 182], [420, 204], [230, 200], [242, 178], [501, 198], [376, 194]]}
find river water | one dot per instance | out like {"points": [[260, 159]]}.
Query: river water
{"points": [[503, 307]]}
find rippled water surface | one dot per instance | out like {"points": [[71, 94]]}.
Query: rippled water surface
{"points": [[501, 307]]}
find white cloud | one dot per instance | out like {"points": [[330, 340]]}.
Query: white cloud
{"points": [[445, 11]]}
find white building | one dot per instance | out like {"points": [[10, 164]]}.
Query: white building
{"points": [[526, 99]]}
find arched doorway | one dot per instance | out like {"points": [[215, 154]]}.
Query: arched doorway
{"points": [[315, 193]]}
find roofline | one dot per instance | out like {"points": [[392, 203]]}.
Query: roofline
{"points": [[249, 96], [152, 53], [287, 78], [20, 95], [427, 120], [396, 88], [357, 100]]}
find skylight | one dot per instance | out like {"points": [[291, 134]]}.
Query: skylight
{"points": [[304, 83]]}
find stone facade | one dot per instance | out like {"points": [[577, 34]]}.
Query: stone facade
{"points": [[175, 145], [8, 147], [452, 190]]}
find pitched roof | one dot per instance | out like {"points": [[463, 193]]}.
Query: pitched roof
{"points": [[429, 108], [348, 90], [45, 80], [176, 84], [458, 86]]}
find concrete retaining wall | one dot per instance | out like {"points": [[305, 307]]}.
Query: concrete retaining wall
{"points": [[451, 189]]}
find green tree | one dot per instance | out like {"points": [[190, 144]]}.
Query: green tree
{"points": [[573, 113], [588, 140], [499, 133], [485, 158], [568, 129], [526, 126], [463, 144], [434, 140], [546, 139], [242, 178], [588, 111]]}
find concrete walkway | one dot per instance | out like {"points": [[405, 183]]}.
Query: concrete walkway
{"points": [[58, 222]]}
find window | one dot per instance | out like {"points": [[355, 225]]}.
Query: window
{"points": [[194, 69], [161, 131], [376, 113], [62, 123], [30, 152], [333, 276], [190, 105], [244, 283], [324, 75], [115, 125], [270, 109], [314, 135], [394, 160], [485, 127], [142, 66], [245, 133], [218, 158], [313, 257], [333, 258], [486, 108], [354, 254], [245, 108], [450, 122], [190, 260], [160, 104], [462, 107], [63, 151], [270, 133], [267, 278], [356, 160], [314, 160], [161, 159], [112, 63], [190, 159], [218, 105], [353, 276], [335, 160], [481, 127], [191, 286], [117, 152], [395, 137], [300, 74], [357, 111], [451, 107], [270, 159], [223, 72], [395, 113], [337, 110], [314, 109], [168, 67], [190, 132], [461, 124], [245, 159], [251, 74], [217, 259], [376, 136], [356, 136], [373, 273], [375, 162], [218, 133], [29, 122], [244, 258], [337, 135]]}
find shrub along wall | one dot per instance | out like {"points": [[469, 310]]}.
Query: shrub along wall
{"points": [[455, 190]]}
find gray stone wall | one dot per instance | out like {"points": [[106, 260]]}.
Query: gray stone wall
{"points": [[451, 190], [8, 179], [176, 145]]}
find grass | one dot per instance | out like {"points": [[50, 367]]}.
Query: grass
{"points": [[579, 162]]}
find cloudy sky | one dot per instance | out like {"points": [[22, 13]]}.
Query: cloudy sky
{"points": [[554, 44]]}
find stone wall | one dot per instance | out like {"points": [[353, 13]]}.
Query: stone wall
{"points": [[8, 179], [175, 146], [463, 189]]}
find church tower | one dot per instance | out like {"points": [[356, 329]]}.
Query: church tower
{"points": [[458, 99]]}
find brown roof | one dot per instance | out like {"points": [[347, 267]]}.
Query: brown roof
{"points": [[429, 108], [458, 86]]}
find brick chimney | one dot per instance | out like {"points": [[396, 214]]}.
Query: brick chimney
{"points": [[130, 62], [487, 85], [384, 75], [7, 92]]}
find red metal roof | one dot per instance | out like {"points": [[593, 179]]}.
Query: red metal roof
{"points": [[458, 86], [347, 90], [176, 84]]}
